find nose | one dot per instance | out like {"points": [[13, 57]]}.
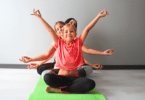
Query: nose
{"points": [[68, 33]]}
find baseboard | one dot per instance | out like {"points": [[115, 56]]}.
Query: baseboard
{"points": [[122, 67], [106, 67]]}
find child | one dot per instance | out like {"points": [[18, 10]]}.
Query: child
{"points": [[49, 55], [57, 28], [69, 57]]}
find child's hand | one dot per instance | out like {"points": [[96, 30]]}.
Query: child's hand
{"points": [[97, 66], [33, 65], [25, 59], [103, 13], [109, 52], [36, 13]]}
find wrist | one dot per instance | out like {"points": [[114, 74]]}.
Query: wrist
{"points": [[98, 16], [40, 18], [103, 53], [30, 59]]}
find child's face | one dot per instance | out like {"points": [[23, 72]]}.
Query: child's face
{"points": [[72, 22], [58, 28], [69, 33]]}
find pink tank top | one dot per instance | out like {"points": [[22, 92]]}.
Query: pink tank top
{"points": [[69, 57]]}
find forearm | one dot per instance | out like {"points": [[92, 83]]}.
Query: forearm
{"points": [[50, 29], [91, 51], [48, 54], [39, 58], [88, 28], [88, 63], [95, 52], [92, 24], [48, 58]]}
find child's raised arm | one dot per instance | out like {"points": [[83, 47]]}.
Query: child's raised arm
{"points": [[92, 24], [46, 25]]}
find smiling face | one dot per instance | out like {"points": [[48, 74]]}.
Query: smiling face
{"points": [[58, 29], [69, 33]]}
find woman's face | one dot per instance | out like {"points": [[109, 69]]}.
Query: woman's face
{"points": [[72, 22], [58, 28]]}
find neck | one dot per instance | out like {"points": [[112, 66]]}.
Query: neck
{"points": [[69, 42]]}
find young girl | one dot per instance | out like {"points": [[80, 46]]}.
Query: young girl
{"points": [[50, 53], [69, 57], [57, 29]]}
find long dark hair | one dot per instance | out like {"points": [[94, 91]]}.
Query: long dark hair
{"points": [[69, 19]]}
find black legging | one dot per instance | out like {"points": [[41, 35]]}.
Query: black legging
{"points": [[74, 84], [46, 66]]}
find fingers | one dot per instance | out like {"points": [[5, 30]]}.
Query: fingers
{"points": [[38, 11], [97, 66], [20, 60], [102, 11], [28, 67], [33, 10]]}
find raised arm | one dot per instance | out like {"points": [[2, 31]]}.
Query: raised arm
{"points": [[92, 24], [46, 25], [95, 52]]}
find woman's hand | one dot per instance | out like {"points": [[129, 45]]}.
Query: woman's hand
{"points": [[36, 13], [108, 52], [103, 13], [25, 59], [33, 65]]}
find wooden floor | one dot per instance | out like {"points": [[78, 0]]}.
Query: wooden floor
{"points": [[18, 84]]}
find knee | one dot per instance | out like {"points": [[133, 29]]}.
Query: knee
{"points": [[88, 70], [39, 70], [91, 84], [50, 79], [47, 78]]}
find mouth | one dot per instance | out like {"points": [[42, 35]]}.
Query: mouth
{"points": [[69, 36]]}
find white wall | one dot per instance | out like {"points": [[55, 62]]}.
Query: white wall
{"points": [[123, 29]]}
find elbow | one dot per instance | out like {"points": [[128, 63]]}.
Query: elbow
{"points": [[89, 51]]}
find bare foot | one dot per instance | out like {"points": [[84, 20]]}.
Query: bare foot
{"points": [[52, 90]]}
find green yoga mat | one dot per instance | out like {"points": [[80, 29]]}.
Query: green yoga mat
{"points": [[40, 94]]}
